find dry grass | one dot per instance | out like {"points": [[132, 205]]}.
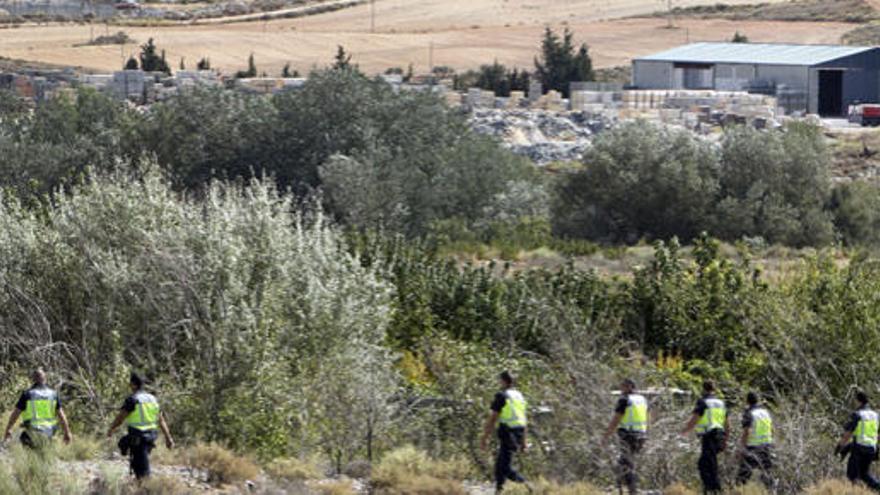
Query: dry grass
{"points": [[509, 32], [409, 471], [544, 487], [421, 485], [294, 470], [837, 487], [159, 485], [336, 488], [220, 464], [679, 489], [749, 489], [798, 10], [82, 448]]}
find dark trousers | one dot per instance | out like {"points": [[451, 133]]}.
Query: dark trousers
{"points": [[510, 440], [760, 458], [712, 445], [630, 447], [859, 466], [138, 445]]}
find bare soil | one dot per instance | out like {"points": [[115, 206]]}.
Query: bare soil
{"points": [[461, 34]]}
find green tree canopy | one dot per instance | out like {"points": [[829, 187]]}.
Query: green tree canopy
{"points": [[560, 63]]}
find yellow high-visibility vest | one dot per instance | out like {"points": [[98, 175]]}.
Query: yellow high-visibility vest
{"points": [[713, 417], [41, 412], [513, 415], [635, 419], [145, 416], [866, 431], [761, 431]]}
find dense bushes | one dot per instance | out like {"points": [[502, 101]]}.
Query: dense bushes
{"points": [[643, 181], [401, 161], [220, 300], [405, 163], [263, 328]]}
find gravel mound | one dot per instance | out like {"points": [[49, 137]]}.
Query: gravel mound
{"points": [[542, 136]]}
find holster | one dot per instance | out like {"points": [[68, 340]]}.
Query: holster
{"points": [[126, 443]]}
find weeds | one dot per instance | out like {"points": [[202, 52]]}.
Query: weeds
{"points": [[837, 487], [293, 469], [544, 487], [408, 470], [82, 448], [220, 464], [679, 489], [336, 488]]}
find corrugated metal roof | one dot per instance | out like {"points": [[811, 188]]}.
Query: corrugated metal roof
{"points": [[756, 53]]}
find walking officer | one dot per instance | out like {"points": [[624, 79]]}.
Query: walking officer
{"points": [[710, 420], [39, 408], [630, 421], [508, 410], [860, 438], [756, 443], [143, 417]]}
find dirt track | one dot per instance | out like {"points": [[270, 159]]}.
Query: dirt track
{"points": [[464, 34]]}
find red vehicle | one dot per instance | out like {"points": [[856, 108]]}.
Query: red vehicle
{"points": [[866, 114]]}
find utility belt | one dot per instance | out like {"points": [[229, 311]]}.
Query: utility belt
{"points": [[136, 438], [48, 431]]}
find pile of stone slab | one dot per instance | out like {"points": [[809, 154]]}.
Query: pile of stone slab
{"points": [[689, 108]]}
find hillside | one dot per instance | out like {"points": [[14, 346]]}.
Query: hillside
{"points": [[459, 34]]}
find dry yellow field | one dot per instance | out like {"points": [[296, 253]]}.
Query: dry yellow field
{"points": [[458, 33]]}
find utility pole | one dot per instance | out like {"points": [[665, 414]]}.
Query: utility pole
{"points": [[372, 16], [431, 57], [670, 20]]}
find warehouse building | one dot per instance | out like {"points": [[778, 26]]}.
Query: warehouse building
{"points": [[821, 79]]}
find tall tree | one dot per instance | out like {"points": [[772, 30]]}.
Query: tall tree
{"points": [[342, 59], [151, 61], [560, 64]]}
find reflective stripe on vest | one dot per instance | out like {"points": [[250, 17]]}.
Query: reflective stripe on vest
{"points": [[761, 431], [866, 431], [713, 417], [513, 414], [145, 416], [635, 419], [41, 410]]}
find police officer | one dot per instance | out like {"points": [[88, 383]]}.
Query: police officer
{"points": [[756, 443], [630, 421], [39, 408], [710, 420], [143, 416], [508, 410], [860, 437]]}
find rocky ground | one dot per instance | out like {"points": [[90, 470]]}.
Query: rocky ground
{"points": [[542, 136]]}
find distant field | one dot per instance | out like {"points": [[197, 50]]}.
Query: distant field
{"points": [[458, 33], [857, 11]]}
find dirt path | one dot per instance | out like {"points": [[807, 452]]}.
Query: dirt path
{"points": [[292, 12]]}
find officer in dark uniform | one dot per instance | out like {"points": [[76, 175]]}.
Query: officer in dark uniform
{"points": [[630, 421], [710, 420], [509, 411], [143, 416], [860, 440], [39, 408]]}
